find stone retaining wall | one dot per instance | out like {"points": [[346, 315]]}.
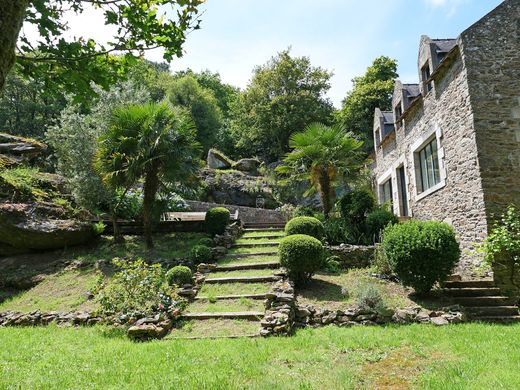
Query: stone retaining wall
{"points": [[353, 256], [245, 214]]}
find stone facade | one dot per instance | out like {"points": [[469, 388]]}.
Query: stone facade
{"points": [[467, 107]]}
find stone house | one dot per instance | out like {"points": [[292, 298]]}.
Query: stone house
{"points": [[450, 148]]}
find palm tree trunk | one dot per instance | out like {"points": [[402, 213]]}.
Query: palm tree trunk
{"points": [[151, 185], [325, 191]]}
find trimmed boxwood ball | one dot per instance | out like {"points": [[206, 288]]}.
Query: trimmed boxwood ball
{"points": [[179, 275], [305, 225], [201, 254], [302, 256], [216, 220], [421, 253], [206, 241]]}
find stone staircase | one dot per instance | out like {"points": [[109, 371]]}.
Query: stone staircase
{"points": [[482, 301], [233, 293]]}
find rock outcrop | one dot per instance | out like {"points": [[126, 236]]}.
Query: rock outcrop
{"points": [[218, 160], [16, 150], [249, 165], [38, 226]]}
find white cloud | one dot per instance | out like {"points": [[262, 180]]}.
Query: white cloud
{"points": [[451, 6]]}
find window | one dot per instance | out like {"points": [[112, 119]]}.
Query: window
{"points": [[386, 191], [426, 74], [428, 159]]}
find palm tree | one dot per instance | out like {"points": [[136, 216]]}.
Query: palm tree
{"points": [[323, 155], [153, 142]]}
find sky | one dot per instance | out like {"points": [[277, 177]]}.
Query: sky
{"points": [[342, 36]]}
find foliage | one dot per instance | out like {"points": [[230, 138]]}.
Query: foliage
{"points": [[149, 141], [380, 263], [206, 241], [216, 220], [504, 238], [284, 95], [305, 225], [74, 142], [137, 287], [57, 58], [302, 256], [336, 231], [304, 211], [201, 254], [377, 220], [372, 90], [99, 228], [27, 108], [354, 208], [421, 253], [130, 203], [325, 156], [203, 106], [179, 275], [332, 264], [368, 296]]}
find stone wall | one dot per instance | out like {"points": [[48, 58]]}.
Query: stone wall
{"points": [[245, 214], [444, 113], [353, 256], [491, 53]]}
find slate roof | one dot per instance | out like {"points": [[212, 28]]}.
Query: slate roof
{"points": [[444, 45], [412, 90], [388, 120]]}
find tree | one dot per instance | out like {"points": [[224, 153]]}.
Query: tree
{"points": [[140, 24], [284, 95], [324, 156], [152, 142], [202, 105], [372, 90]]}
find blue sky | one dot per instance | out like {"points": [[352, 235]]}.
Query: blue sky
{"points": [[343, 36], [340, 35]]}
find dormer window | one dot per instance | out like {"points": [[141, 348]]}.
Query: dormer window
{"points": [[426, 74], [398, 115]]}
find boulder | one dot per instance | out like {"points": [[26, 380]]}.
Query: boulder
{"points": [[218, 160], [15, 150], [146, 332], [39, 226], [249, 165]]}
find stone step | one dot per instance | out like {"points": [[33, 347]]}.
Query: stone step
{"points": [[240, 267], [498, 319], [242, 255], [484, 301], [493, 310], [264, 229], [225, 297], [265, 237], [470, 284], [255, 244], [253, 225], [243, 315], [244, 279], [471, 292]]}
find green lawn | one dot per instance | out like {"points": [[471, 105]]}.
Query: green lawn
{"points": [[244, 272], [472, 356], [249, 260], [226, 305], [213, 290]]}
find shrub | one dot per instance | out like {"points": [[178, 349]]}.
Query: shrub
{"points": [[368, 296], [179, 275], [355, 205], [380, 263], [206, 241], [216, 220], [137, 288], [336, 231], [130, 204], [305, 225], [304, 211], [421, 253], [377, 220], [301, 255], [201, 254], [332, 264]]}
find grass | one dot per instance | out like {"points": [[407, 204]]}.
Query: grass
{"points": [[337, 291], [226, 305], [471, 356], [257, 240], [269, 232], [234, 289], [253, 250], [248, 260], [212, 328], [63, 291], [246, 272]]}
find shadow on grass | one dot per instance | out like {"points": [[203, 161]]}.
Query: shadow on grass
{"points": [[321, 290]]}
